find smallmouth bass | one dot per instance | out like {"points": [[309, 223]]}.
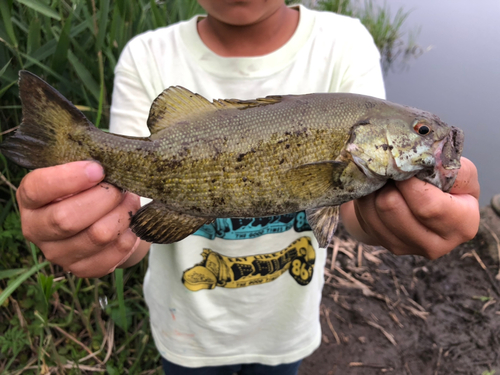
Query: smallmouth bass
{"points": [[242, 158]]}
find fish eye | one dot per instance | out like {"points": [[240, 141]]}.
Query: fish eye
{"points": [[421, 128]]}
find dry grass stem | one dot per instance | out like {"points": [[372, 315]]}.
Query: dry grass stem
{"points": [[361, 364], [418, 313], [372, 258], [364, 288], [479, 260], [489, 303], [335, 251], [347, 252], [438, 361], [396, 320], [7, 182], [9, 130], [396, 284], [492, 280], [495, 237], [330, 325], [111, 337], [416, 305], [384, 332], [85, 347], [405, 292]]}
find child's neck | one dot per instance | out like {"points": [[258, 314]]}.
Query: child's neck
{"points": [[257, 39]]}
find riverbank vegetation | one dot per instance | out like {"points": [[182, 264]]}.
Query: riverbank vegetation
{"points": [[52, 322]]}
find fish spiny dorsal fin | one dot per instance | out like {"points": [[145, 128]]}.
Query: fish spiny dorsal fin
{"points": [[179, 104], [176, 104], [243, 104]]}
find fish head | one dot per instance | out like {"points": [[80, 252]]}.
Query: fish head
{"points": [[410, 142]]}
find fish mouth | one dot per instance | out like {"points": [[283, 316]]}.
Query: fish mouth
{"points": [[447, 154]]}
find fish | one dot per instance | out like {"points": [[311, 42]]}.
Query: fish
{"points": [[242, 158]]}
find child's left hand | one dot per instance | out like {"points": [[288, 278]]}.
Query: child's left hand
{"points": [[414, 217]]}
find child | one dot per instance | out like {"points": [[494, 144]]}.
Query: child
{"points": [[220, 300]]}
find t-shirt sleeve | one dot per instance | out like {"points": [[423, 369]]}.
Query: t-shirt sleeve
{"points": [[360, 70], [130, 100]]}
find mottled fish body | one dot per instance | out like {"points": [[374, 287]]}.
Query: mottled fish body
{"points": [[242, 158]]}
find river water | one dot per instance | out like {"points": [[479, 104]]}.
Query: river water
{"points": [[458, 77]]}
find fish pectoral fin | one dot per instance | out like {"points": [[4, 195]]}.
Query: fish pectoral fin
{"points": [[154, 222], [324, 221], [315, 179]]}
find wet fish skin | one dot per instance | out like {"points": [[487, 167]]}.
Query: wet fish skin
{"points": [[235, 158]]}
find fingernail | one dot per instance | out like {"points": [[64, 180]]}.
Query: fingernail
{"points": [[94, 171]]}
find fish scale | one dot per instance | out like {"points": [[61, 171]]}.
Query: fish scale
{"points": [[242, 158]]}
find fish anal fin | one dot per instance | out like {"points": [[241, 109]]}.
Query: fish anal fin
{"points": [[154, 222], [315, 179], [324, 221]]}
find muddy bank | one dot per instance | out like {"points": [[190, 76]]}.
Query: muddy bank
{"points": [[407, 315]]}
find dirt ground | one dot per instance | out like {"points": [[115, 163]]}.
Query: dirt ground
{"points": [[407, 315]]}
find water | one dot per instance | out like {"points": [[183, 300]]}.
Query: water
{"points": [[459, 77]]}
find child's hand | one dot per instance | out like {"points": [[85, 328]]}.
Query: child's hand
{"points": [[77, 222], [414, 217]]}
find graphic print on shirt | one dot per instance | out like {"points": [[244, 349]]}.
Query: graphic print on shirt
{"points": [[237, 272], [242, 229]]}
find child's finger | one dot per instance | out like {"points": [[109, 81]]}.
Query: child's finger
{"points": [[45, 185]]}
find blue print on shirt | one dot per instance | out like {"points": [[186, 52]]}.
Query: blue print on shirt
{"points": [[242, 229]]}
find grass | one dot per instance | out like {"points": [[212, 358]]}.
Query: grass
{"points": [[386, 30], [51, 321]]}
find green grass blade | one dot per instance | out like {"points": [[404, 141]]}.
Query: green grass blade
{"points": [[61, 55], [158, 19], [15, 284], [84, 75], [119, 293], [103, 22], [46, 68], [7, 274], [40, 7], [34, 40], [2, 71], [7, 21], [8, 86], [5, 211]]}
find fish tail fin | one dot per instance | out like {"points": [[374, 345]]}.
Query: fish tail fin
{"points": [[51, 129]]}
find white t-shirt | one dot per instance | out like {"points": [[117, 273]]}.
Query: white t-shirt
{"points": [[240, 290]]}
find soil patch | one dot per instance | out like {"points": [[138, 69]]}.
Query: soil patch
{"points": [[408, 315]]}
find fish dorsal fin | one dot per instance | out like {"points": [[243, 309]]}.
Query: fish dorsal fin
{"points": [[179, 104], [244, 104], [176, 104]]}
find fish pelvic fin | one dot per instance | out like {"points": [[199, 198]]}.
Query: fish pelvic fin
{"points": [[324, 221], [51, 129], [177, 104], [154, 222]]}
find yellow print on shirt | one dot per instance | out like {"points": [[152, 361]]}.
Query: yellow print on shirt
{"points": [[238, 272]]}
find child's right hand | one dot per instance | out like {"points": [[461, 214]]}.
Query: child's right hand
{"points": [[77, 221]]}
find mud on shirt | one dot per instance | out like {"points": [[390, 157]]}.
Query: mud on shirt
{"points": [[240, 290]]}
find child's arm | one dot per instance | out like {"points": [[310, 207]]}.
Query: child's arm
{"points": [[414, 217], [78, 222]]}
